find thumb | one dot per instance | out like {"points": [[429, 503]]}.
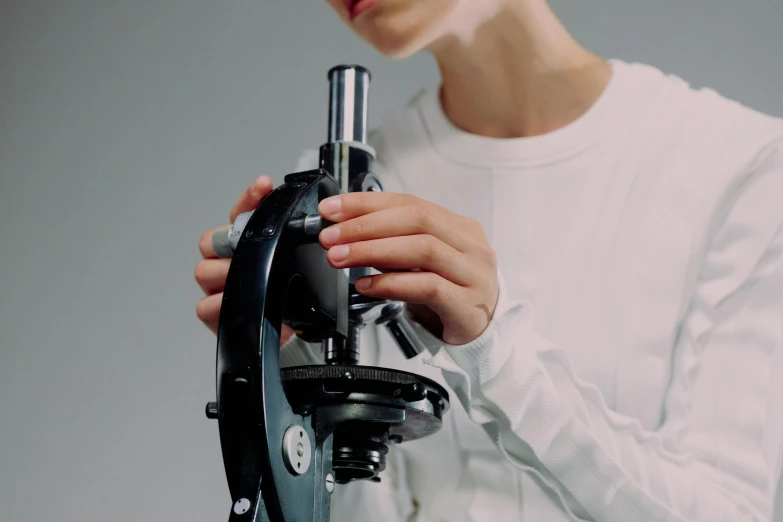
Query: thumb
{"points": [[251, 197]]}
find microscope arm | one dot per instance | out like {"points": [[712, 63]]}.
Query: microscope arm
{"points": [[251, 404]]}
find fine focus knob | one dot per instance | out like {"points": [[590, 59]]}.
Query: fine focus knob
{"points": [[212, 410]]}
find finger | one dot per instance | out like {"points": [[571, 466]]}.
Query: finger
{"points": [[211, 274], [208, 311], [422, 288], [205, 243], [353, 204], [251, 197], [422, 252], [447, 300], [401, 221], [286, 332]]}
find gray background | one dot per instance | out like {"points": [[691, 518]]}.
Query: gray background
{"points": [[127, 129]]}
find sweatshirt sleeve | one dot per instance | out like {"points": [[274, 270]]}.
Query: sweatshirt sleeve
{"points": [[717, 454]]}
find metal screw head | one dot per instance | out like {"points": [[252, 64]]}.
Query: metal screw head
{"points": [[241, 506], [329, 482]]}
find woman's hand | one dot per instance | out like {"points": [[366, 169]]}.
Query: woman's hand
{"points": [[211, 272], [430, 257]]}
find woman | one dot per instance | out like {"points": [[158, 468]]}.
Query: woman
{"points": [[593, 252]]}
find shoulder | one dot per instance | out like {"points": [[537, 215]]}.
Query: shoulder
{"points": [[721, 155], [697, 121], [704, 149]]}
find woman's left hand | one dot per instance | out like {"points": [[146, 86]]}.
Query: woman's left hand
{"points": [[430, 257]]}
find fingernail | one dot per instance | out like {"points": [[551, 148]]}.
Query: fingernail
{"points": [[339, 253], [362, 283], [331, 205], [330, 235]]}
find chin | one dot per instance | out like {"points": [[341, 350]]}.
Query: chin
{"points": [[399, 28], [393, 42]]}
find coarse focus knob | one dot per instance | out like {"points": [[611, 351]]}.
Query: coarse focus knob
{"points": [[226, 239]]}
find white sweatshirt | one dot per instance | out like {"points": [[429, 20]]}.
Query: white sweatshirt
{"points": [[633, 369]]}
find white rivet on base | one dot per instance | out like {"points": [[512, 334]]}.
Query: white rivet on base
{"points": [[297, 450], [241, 506]]}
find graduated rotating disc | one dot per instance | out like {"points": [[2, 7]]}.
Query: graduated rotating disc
{"points": [[423, 400], [374, 407]]}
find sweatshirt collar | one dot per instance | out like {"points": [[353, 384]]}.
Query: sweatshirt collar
{"points": [[472, 149]]}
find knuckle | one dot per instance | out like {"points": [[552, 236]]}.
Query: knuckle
{"points": [[364, 250], [355, 201], [360, 226], [409, 200], [426, 251], [478, 228], [430, 249], [490, 257], [433, 290], [423, 217]]}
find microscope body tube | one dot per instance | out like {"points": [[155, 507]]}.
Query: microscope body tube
{"points": [[348, 158]]}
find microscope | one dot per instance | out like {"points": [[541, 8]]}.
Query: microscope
{"points": [[289, 435]]}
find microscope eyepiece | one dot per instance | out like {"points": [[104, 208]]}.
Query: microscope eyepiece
{"points": [[348, 91]]}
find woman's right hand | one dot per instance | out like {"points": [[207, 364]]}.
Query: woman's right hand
{"points": [[211, 272]]}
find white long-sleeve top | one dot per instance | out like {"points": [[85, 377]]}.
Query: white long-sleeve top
{"points": [[633, 368]]}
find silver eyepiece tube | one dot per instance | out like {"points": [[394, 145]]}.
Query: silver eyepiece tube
{"points": [[348, 90]]}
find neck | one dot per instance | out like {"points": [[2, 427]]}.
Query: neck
{"points": [[520, 73]]}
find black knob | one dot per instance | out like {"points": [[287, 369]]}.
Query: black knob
{"points": [[212, 410], [414, 392]]}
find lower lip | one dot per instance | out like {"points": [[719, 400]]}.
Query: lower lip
{"points": [[360, 7]]}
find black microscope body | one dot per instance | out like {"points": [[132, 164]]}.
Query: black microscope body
{"points": [[288, 435]]}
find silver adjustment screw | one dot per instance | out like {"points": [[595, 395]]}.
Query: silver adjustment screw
{"points": [[329, 482]]}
